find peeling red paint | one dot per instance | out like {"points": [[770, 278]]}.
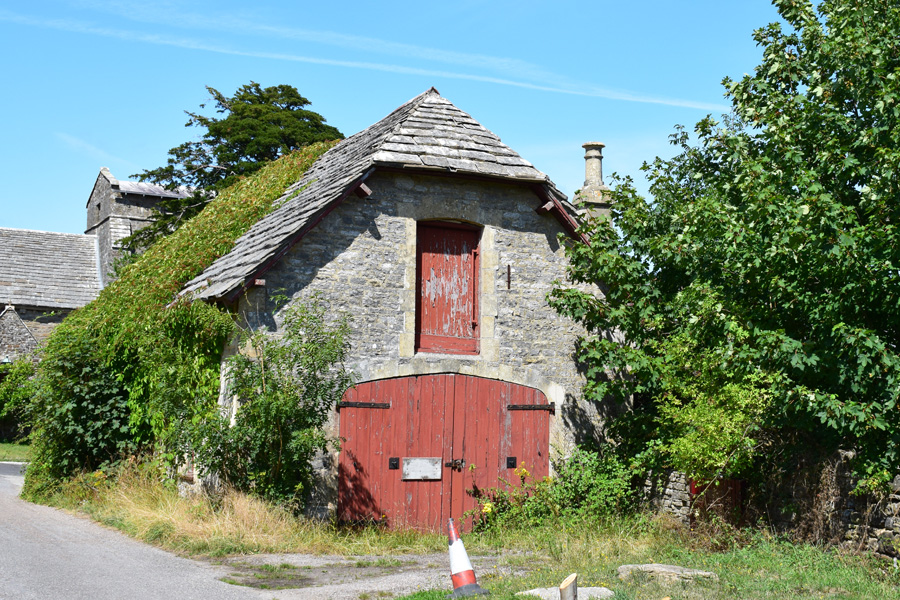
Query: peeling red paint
{"points": [[447, 284]]}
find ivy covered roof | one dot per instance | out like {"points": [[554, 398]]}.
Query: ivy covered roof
{"points": [[427, 134]]}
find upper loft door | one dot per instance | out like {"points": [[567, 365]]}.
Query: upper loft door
{"points": [[447, 288]]}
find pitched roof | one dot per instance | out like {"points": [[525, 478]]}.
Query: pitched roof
{"points": [[138, 187], [427, 133], [47, 270]]}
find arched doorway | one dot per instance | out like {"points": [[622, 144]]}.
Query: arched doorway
{"points": [[413, 446]]}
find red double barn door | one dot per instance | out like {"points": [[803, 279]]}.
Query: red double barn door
{"points": [[413, 447]]}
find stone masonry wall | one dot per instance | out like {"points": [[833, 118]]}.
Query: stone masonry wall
{"points": [[812, 501], [41, 323], [15, 338], [669, 493], [362, 259], [24, 330]]}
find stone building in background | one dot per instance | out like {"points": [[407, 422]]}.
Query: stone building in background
{"points": [[46, 275], [115, 210]]}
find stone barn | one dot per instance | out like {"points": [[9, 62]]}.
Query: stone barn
{"points": [[442, 243]]}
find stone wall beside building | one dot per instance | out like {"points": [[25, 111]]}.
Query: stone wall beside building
{"points": [[15, 338], [814, 502]]}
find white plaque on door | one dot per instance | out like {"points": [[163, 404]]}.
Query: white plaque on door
{"points": [[421, 468]]}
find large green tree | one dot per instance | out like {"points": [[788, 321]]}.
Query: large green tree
{"points": [[758, 290], [259, 125]]}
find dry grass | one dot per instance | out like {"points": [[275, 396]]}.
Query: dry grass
{"points": [[236, 523]]}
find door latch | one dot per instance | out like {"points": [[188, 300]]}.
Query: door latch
{"points": [[457, 464]]}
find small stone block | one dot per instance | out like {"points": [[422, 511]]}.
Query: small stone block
{"points": [[665, 573], [583, 593]]}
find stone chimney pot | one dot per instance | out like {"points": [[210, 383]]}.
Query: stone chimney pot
{"points": [[593, 164], [595, 193]]}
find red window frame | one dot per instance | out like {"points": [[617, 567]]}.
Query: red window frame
{"points": [[432, 236]]}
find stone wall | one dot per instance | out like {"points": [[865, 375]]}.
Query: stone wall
{"points": [[811, 501], [814, 501], [23, 330], [670, 493], [41, 323], [15, 338], [362, 259]]}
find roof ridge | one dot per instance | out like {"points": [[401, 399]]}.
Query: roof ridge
{"points": [[410, 105], [24, 230]]}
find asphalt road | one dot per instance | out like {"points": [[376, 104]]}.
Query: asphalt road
{"points": [[48, 554]]}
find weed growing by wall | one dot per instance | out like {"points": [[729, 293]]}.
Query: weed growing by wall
{"points": [[588, 484]]}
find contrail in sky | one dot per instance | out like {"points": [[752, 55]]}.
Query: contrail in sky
{"points": [[546, 81], [94, 151]]}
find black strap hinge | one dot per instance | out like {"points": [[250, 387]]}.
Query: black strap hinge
{"points": [[341, 405], [551, 408]]}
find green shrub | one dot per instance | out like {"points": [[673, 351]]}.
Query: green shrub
{"points": [[286, 387], [588, 484], [79, 413], [17, 388]]}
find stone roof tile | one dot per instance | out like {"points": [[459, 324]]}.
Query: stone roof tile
{"points": [[49, 270]]}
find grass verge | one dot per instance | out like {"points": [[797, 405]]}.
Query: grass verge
{"points": [[752, 564], [15, 452]]}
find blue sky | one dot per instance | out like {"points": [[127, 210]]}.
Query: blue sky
{"points": [[91, 83]]}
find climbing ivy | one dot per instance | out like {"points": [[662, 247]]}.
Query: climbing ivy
{"points": [[137, 369]]}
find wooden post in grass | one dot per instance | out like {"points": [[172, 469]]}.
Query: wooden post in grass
{"points": [[568, 589]]}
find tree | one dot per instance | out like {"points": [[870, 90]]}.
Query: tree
{"points": [[759, 289], [260, 124]]}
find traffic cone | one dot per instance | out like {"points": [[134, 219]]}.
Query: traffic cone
{"points": [[461, 572]]}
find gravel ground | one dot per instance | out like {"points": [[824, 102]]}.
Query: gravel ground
{"points": [[303, 576]]}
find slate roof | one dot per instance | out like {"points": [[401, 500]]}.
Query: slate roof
{"points": [[427, 133], [139, 188], [47, 270], [151, 189]]}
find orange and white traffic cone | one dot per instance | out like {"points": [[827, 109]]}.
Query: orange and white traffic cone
{"points": [[461, 572]]}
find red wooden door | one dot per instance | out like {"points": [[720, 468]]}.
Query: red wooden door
{"points": [[447, 284], [475, 431]]}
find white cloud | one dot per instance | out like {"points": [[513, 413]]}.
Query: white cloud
{"points": [[513, 72]]}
